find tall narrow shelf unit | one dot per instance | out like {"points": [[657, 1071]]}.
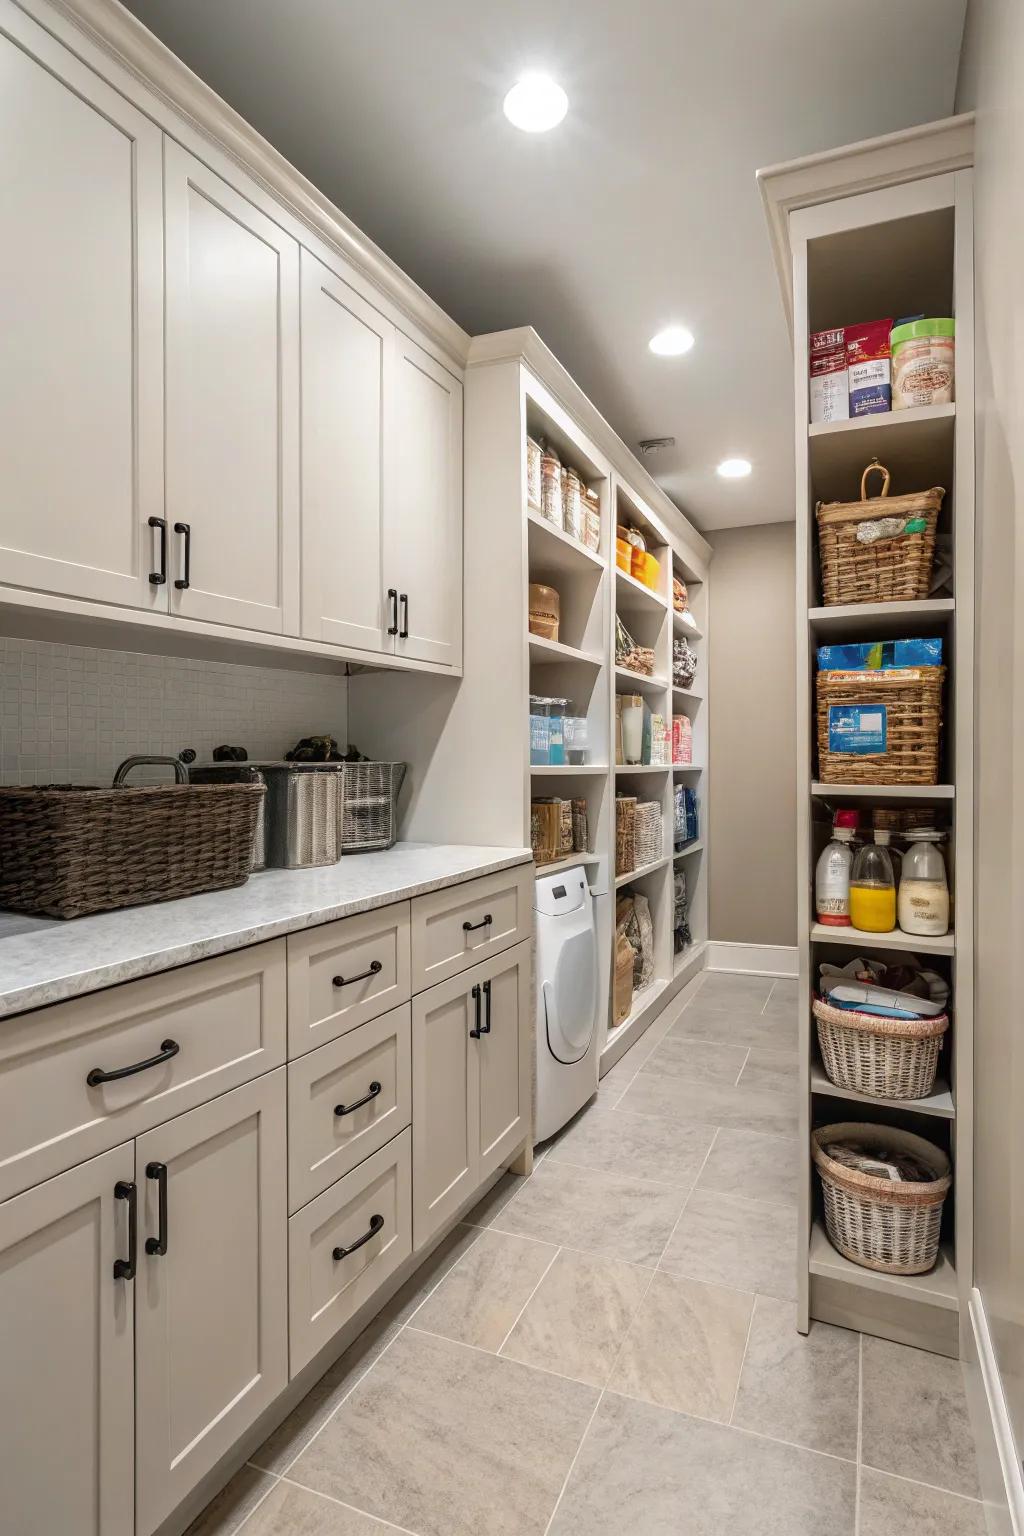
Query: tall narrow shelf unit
{"points": [[515, 388], [886, 229]]}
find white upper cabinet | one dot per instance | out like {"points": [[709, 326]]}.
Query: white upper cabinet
{"points": [[81, 270], [232, 404], [425, 537], [347, 377]]}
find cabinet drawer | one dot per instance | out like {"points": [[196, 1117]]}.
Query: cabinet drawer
{"points": [[226, 1018], [368, 1075], [325, 1291], [456, 927], [343, 973]]}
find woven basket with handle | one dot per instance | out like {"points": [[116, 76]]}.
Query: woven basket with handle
{"points": [[886, 1058], [890, 569], [912, 699], [891, 1227]]}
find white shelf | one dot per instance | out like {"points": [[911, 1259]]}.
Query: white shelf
{"points": [[642, 768], [938, 1103], [697, 846], [687, 957], [687, 693], [878, 621], [639, 683], [937, 1289], [548, 651], [681, 627], [687, 767], [855, 938], [879, 792], [553, 550], [631, 593], [916, 446], [570, 861], [643, 1003], [921, 415], [644, 869], [566, 770]]}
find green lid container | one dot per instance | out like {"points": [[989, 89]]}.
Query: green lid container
{"points": [[915, 329]]}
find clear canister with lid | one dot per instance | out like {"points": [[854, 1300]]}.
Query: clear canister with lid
{"points": [[872, 890], [557, 711], [572, 504], [591, 519], [534, 455], [551, 487], [540, 747], [924, 889]]}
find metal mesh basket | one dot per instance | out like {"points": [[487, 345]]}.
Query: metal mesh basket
{"points": [[368, 798]]}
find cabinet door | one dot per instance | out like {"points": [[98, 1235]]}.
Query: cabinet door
{"points": [[425, 533], [232, 403], [347, 374], [503, 1058], [445, 1108], [211, 1306], [66, 1403], [81, 267]]}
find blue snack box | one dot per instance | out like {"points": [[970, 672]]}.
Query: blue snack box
{"points": [[880, 655]]}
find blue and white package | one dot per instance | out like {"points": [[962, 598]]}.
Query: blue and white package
{"points": [[880, 656], [860, 729]]}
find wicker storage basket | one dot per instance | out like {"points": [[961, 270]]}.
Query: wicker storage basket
{"points": [[891, 1227], [67, 851], [886, 570], [911, 699], [649, 837], [625, 834], [886, 1058]]}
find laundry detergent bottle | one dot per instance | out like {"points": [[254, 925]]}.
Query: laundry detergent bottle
{"points": [[832, 873]]}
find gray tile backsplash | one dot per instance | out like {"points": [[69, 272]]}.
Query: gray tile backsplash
{"points": [[72, 713]]}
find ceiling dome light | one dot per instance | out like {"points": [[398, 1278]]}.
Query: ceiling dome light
{"points": [[734, 469], [673, 341], [536, 103]]}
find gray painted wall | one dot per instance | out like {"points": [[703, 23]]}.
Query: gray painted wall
{"points": [[752, 811], [992, 71]]}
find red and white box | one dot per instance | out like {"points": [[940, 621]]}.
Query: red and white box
{"points": [[830, 378]]}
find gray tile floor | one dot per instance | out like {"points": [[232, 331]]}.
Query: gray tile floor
{"points": [[610, 1345]]}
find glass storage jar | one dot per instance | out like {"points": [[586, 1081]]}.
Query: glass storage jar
{"points": [[534, 455], [572, 504], [872, 890], [924, 889], [551, 487]]}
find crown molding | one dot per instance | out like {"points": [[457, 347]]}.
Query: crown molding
{"points": [[933, 149]]}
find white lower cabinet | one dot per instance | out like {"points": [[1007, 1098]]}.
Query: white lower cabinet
{"points": [[66, 1322], [470, 1083], [211, 1293]]}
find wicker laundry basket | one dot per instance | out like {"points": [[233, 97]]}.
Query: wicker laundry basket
{"points": [[910, 704], [886, 569], [886, 1058], [66, 851], [625, 834], [649, 836], [874, 1222]]}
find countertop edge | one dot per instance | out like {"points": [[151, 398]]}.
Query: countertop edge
{"points": [[57, 989]]}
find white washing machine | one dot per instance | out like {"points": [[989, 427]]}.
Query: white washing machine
{"points": [[566, 969]]}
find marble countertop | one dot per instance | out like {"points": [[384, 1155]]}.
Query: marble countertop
{"points": [[46, 960]]}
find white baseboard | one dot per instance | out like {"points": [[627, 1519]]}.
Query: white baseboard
{"points": [[752, 959], [1004, 1506]]}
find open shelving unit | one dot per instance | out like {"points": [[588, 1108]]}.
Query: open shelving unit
{"points": [[903, 248]]}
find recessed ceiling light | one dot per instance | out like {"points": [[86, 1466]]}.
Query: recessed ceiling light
{"points": [[673, 341], [536, 103], [734, 469]]}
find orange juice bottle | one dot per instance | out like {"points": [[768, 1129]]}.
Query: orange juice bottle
{"points": [[873, 890]]}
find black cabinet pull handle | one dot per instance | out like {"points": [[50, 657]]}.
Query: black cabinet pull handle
{"points": [[485, 922], [376, 966], [476, 1031], [485, 1028], [158, 1171], [367, 1098], [124, 1269], [403, 633], [185, 581], [99, 1075], [157, 578], [393, 600], [376, 1222]]}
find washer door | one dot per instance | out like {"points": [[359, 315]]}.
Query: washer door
{"points": [[570, 998]]}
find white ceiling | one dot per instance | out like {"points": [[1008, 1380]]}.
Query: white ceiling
{"points": [[640, 209]]}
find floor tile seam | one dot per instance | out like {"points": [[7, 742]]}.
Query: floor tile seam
{"points": [[293, 1482], [567, 1162], [741, 1429], [686, 1202], [869, 1466], [526, 1303], [743, 1361], [860, 1431], [693, 1120], [771, 989], [378, 1357], [590, 1253], [725, 1194], [743, 1067], [492, 1354], [275, 1478], [721, 1285]]}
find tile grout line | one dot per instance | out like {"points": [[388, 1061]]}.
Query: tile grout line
{"points": [[743, 1360], [915, 1482], [686, 1202], [529, 1298], [478, 1349], [340, 1504], [742, 1069], [768, 999], [860, 1433], [565, 1162]]}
